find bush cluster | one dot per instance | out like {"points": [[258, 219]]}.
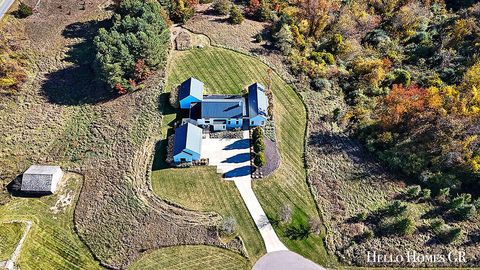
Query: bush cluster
{"points": [[259, 147]]}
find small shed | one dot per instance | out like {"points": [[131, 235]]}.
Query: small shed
{"points": [[183, 41], [41, 179]]}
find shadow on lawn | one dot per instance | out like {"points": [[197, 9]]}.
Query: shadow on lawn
{"points": [[76, 84], [159, 160]]}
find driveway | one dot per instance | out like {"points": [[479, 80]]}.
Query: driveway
{"points": [[285, 260], [232, 158], [4, 6]]}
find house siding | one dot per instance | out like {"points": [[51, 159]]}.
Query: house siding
{"points": [[258, 120], [188, 157]]}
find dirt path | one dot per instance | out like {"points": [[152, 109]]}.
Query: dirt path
{"points": [[11, 262]]}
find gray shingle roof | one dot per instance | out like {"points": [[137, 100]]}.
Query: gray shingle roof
{"points": [[39, 178]]}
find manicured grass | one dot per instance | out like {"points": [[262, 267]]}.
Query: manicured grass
{"points": [[10, 234], [201, 188], [228, 72], [51, 242], [191, 258]]}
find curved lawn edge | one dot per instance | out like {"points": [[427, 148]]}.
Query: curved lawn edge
{"points": [[192, 257]]}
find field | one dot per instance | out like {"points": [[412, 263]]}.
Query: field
{"points": [[10, 234], [191, 258], [228, 72], [51, 242]]}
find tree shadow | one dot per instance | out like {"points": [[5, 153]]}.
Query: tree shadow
{"points": [[297, 233], [240, 144], [237, 172], [238, 158], [15, 189], [76, 84]]}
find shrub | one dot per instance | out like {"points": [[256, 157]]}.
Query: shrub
{"points": [[323, 58], [228, 226], [426, 194], [236, 16], [284, 39], [258, 38], [259, 145], [395, 209], [24, 10], [465, 212], [321, 84], [437, 225], [414, 191], [180, 12], [257, 133], [285, 213], [362, 216], [315, 226], [456, 202], [450, 235], [367, 234], [404, 226], [401, 76], [222, 7], [260, 160]]}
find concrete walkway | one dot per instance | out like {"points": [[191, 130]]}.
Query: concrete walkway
{"points": [[232, 158]]}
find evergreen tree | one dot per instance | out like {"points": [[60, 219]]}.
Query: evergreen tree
{"points": [[284, 39], [136, 43], [236, 16]]}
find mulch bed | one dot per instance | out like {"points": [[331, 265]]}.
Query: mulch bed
{"points": [[273, 158]]}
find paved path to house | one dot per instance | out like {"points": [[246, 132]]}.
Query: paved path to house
{"points": [[285, 260], [232, 158]]}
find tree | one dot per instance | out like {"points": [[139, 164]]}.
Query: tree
{"points": [[228, 226], [135, 45], [315, 226], [24, 10], [404, 226], [284, 39], [259, 145], [180, 11], [260, 160], [414, 191], [236, 16], [222, 7], [465, 212], [451, 235], [285, 213], [317, 14]]}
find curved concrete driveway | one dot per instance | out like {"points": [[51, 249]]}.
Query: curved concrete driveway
{"points": [[285, 260], [232, 158]]}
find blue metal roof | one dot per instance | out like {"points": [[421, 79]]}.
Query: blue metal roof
{"points": [[189, 137], [223, 108], [257, 100], [191, 87]]}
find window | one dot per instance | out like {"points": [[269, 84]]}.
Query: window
{"points": [[183, 160], [251, 122], [263, 123]]}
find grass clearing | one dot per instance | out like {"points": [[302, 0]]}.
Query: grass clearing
{"points": [[191, 258], [51, 242], [202, 189], [227, 72], [10, 234]]}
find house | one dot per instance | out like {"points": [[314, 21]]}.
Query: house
{"points": [[41, 179], [219, 111], [257, 105], [223, 112], [190, 91], [187, 144]]}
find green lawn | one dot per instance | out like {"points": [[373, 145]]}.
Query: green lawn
{"points": [[228, 72], [51, 242], [10, 234], [191, 258], [201, 188]]}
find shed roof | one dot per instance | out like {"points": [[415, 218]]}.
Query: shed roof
{"points": [[40, 178], [191, 87], [223, 108], [187, 136], [257, 100]]}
